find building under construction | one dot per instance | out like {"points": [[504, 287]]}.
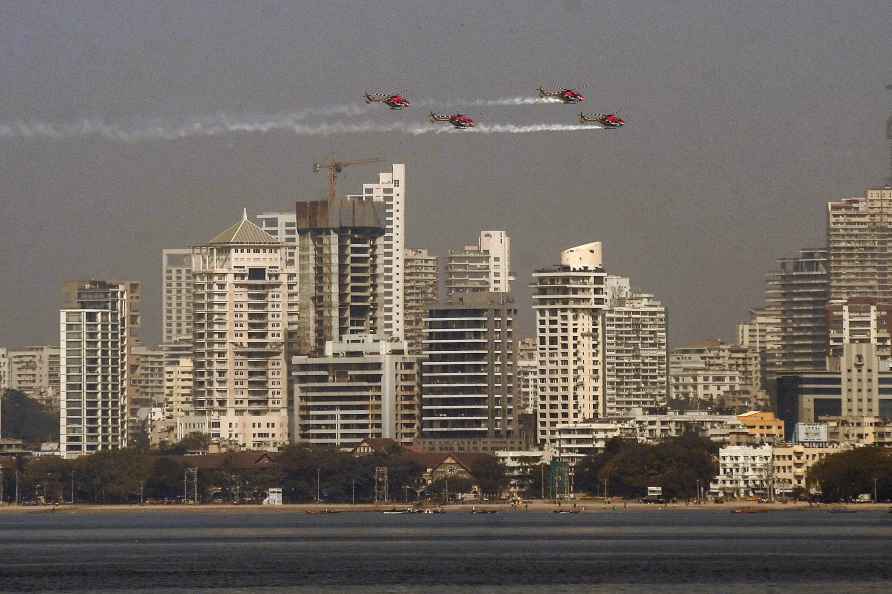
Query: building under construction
{"points": [[338, 270]]}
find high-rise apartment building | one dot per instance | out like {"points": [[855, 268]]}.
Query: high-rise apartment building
{"points": [[147, 378], [390, 193], [481, 268], [362, 388], [570, 300], [636, 353], [4, 370], [241, 323], [859, 321], [34, 370], [282, 226], [526, 376], [176, 295], [338, 260], [421, 289], [178, 379], [468, 374], [95, 341], [760, 336], [279, 225], [859, 238], [797, 294], [710, 373]]}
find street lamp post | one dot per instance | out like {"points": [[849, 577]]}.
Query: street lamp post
{"points": [[542, 481], [317, 485]]}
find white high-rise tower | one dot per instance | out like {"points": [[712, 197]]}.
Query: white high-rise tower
{"points": [[570, 300], [390, 190]]}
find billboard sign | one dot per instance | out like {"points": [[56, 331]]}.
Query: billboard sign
{"points": [[811, 432]]}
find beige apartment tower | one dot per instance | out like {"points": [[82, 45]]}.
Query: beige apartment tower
{"points": [[570, 300], [420, 292], [859, 237], [241, 320], [481, 268]]}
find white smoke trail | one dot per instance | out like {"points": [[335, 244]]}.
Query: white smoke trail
{"points": [[158, 130], [500, 102], [514, 129]]}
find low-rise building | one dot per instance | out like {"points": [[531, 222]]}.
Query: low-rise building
{"points": [[764, 426], [655, 428], [577, 440], [520, 465], [862, 431], [792, 463], [744, 471]]}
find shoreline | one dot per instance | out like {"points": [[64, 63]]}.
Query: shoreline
{"points": [[533, 506]]}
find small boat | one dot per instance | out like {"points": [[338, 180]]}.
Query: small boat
{"points": [[483, 511], [841, 510], [566, 511], [398, 511], [748, 510], [433, 511]]}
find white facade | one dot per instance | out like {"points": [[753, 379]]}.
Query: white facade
{"points": [[242, 314], [362, 388], [282, 226], [176, 295], [635, 353], [656, 428], [481, 268], [94, 350], [577, 440], [498, 245], [744, 471], [569, 301], [34, 370], [390, 190]]}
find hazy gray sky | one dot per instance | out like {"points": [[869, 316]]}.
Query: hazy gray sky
{"points": [[743, 119]]}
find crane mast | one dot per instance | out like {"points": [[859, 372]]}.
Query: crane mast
{"points": [[334, 168]]}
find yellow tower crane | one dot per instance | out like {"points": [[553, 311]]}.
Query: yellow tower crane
{"points": [[334, 168]]}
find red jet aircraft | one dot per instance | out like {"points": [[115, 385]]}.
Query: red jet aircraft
{"points": [[458, 120], [391, 101]]}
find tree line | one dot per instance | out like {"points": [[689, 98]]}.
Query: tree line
{"points": [[305, 473]]}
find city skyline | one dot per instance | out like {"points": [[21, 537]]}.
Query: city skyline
{"points": [[732, 142]]}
